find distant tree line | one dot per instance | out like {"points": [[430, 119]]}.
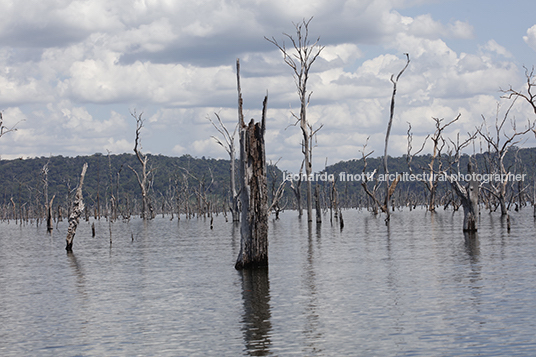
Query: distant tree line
{"points": [[178, 185], [197, 186]]}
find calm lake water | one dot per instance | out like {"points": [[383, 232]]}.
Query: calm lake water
{"points": [[168, 288]]}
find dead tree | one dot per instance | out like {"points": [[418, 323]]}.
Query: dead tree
{"points": [[277, 193], [76, 211], [4, 129], [372, 193], [469, 198], [497, 150], [390, 188], [144, 179], [253, 189], [296, 189], [529, 97], [48, 204], [469, 193], [317, 205], [435, 165], [229, 146], [300, 59]]}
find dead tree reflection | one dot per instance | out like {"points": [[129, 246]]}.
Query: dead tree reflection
{"points": [[257, 326]]}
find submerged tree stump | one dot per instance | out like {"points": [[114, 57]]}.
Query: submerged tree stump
{"points": [[254, 198], [76, 211], [254, 190]]}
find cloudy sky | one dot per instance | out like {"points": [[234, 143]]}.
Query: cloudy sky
{"points": [[72, 71]]}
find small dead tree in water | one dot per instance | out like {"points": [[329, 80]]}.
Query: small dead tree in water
{"points": [[436, 163], [229, 146], [48, 204], [390, 187], [253, 189], [469, 197], [373, 194], [295, 187], [147, 211], [301, 61], [497, 150], [317, 204], [469, 193], [76, 211], [277, 193]]}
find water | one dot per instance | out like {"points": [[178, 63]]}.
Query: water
{"points": [[416, 288]]}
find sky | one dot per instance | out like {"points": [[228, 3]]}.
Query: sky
{"points": [[72, 72]]}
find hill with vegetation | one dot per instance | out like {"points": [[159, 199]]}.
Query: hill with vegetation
{"points": [[181, 183]]}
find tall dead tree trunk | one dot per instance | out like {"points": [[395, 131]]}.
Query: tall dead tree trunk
{"points": [[390, 188], [147, 211], [254, 189], [76, 211], [301, 62]]}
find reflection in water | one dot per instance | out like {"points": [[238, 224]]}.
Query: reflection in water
{"points": [[235, 238], [472, 246], [256, 319], [83, 301], [392, 285], [311, 328], [80, 280], [474, 276]]}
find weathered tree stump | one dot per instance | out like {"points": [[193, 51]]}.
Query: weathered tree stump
{"points": [[254, 190]]}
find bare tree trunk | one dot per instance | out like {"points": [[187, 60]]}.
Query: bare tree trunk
{"points": [[147, 211], [50, 225], [389, 189], [301, 63], [297, 191], [229, 146], [469, 198], [254, 189], [76, 211], [497, 150], [317, 205]]}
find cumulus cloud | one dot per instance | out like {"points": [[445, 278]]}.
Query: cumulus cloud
{"points": [[530, 39], [74, 69]]}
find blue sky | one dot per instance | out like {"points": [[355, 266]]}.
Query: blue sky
{"points": [[73, 70]]}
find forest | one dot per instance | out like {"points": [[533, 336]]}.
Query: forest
{"points": [[200, 186]]}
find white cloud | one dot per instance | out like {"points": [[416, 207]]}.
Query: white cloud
{"points": [[461, 30], [79, 67], [530, 39], [344, 52], [493, 46]]}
